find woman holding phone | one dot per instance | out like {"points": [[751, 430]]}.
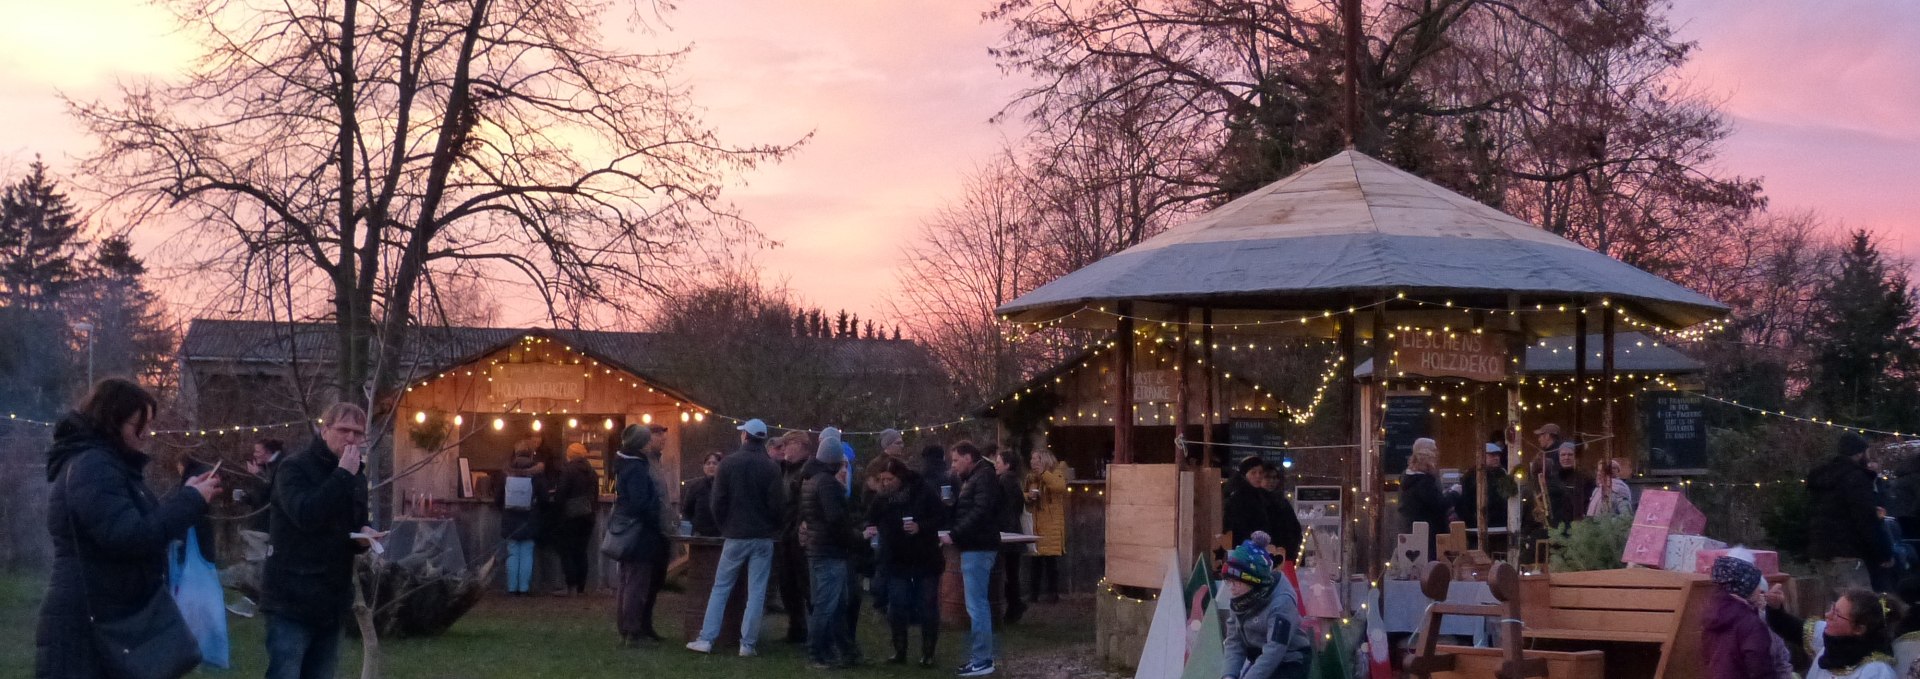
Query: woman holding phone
{"points": [[110, 536]]}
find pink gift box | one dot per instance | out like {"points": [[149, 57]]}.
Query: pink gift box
{"points": [[1768, 561], [1646, 545], [1671, 511]]}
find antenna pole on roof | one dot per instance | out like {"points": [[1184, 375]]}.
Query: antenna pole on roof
{"points": [[1350, 13]]}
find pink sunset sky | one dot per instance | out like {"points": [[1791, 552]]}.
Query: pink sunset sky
{"points": [[1825, 99]]}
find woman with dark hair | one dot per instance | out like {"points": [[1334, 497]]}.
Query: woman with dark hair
{"points": [[1855, 638], [696, 504], [907, 516], [110, 533]]}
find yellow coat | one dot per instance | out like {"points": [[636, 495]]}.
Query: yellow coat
{"points": [[1049, 512]]}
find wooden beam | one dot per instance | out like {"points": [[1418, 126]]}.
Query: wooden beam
{"points": [[1182, 366], [1208, 416], [1579, 381], [1123, 389], [1606, 381]]}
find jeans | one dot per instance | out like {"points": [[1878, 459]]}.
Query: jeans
{"points": [[519, 566], [757, 556], [828, 638], [914, 600], [976, 573], [296, 650]]}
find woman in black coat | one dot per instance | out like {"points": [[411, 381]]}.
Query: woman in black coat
{"points": [[1420, 496], [574, 500], [638, 506], [696, 505], [109, 533]]}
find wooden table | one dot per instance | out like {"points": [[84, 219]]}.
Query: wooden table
{"points": [[703, 563], [953, 594]]}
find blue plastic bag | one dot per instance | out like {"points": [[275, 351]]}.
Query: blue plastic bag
{"points": [[196, 589]]}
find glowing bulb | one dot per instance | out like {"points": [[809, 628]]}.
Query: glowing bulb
{"points": [[608, 424], [458, 420], [536, 425], [573, 423], [499, 424], [420, 417], [646, 418], [699, 417], [684, 417]]}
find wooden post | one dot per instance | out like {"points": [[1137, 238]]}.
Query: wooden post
{"points": [[1579, 381], [1181, 365], [1123, 389], [1376, 488], [1606, 381], [1208, 416], [1514, 435], [1361, 551]]}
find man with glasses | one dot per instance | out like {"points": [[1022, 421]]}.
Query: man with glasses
{"points": [[319, 506]]}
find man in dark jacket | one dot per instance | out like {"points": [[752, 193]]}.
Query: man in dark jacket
{"points": [[1283, 524], [1576, 487], [638, 507], [1499, 488], [790, 570], [976, 533], [748, 501], [319, 503], [1012, 505], [831, 531], [1246, 506], [1843, 526]]}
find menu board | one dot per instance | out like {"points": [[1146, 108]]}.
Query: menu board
{"points": [[1264, 433], [1406, 420], [1675, 426]]}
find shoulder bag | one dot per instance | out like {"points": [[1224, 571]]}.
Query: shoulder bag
{"points": [[150, 643]]}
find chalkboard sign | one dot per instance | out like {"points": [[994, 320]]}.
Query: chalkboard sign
{"points": [[1406, 420], [1266, 433], [1675, 425]]}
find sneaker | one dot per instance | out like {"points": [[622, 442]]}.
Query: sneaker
{"points": [[977, 669], [244, 608], [699, 646], [818, 666], [747, 651]]}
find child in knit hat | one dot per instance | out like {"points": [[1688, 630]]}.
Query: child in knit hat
{"points": [[1264, 639]]}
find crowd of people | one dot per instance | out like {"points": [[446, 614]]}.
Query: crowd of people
{"points": [[798, 514]]}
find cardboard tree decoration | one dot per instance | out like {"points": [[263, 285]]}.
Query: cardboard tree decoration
{"points": [[1208, 658], [1164, 656]]}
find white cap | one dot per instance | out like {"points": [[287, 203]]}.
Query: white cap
{"points": [[754, 428]]}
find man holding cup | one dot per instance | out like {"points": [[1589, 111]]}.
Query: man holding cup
{"points": [[318, 524]]}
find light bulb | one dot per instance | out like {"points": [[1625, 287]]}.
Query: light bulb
{"points": [[499, 424]]}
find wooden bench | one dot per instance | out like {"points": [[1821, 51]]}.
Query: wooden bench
{"points": [[1636, 614]]}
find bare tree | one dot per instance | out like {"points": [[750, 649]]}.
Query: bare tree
{"points": [[363, 146]]}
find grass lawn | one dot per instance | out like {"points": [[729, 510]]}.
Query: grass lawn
{"points": [[574, 638]]}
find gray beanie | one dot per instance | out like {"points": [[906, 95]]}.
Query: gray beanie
{"points": [[635, 437], [889, 437], [830, 451]]}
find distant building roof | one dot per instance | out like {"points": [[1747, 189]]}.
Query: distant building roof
{"points": [[438, 348]]}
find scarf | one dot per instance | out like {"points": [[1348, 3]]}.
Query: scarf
{"points": [[1844, 654], [1254, 601]]}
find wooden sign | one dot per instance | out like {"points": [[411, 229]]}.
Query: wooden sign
{"points": [[1149, 386], [1481, 357], [523, 381]]}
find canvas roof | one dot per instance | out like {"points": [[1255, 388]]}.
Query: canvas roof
{"points": [[1353, 228]]}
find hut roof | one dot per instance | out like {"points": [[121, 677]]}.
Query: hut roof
{"points": [[1348, 229]]}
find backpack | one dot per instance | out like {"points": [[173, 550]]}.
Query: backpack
{"points": [[519, 492]]}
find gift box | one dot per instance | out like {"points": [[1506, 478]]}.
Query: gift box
{"points": [[1646, 545], [1768, 561], [1683, 551], [1670, 510]]}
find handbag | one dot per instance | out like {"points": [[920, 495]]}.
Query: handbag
{"points": [[1026, 527], [150, 643], [579, 506], [617, 542]]}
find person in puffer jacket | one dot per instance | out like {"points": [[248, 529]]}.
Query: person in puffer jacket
{"points": [[1264, 639], [1734, 641], [830, 529]]}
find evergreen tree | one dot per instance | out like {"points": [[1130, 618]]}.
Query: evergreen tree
{"points": [[38, 246], [1867, 369], [130, 337], [840, 324], [896, 332], [871, 333]]}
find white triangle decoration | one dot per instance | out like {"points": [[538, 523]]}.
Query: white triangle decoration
{"points": [[1166, 652]]}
